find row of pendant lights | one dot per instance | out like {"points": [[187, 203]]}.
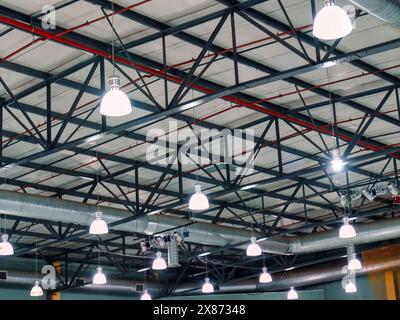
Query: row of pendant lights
{"points": [[199, 201], [159, 263], [99, 226], [331, 23], [346, 231]]}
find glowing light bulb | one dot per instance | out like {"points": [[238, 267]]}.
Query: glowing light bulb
{"points": [[115, 103], [265, 277], [6, 249], [99, 277], [98, 226], [145, 296], [350, 287], [292, 294], [347, 230], [337, 163], [354, 264], [198, 201], [207, 286], [253, 249], [159, 263], [36, 290]]}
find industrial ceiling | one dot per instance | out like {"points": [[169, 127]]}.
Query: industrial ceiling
{"points": [[198, 64]]}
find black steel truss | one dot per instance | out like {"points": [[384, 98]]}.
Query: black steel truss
{"points": [[192, 79]]}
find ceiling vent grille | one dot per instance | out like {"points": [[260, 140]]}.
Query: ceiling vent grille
{"points": [[3, 275]]}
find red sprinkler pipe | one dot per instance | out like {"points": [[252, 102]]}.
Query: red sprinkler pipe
{"points": [[43, 33], [60, 34]]}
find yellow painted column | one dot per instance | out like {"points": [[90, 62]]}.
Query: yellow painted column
{"points": [[384, 282], [390, 280], [55, 295]]}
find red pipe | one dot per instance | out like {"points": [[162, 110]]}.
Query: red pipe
{"points": [[43, 33], [60, 34]]}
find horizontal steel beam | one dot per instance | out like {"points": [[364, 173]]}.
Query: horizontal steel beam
{"points": [[146, 69]]}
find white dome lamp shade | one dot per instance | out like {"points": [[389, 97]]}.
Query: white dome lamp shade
{"points": [[98, 226], [331, 22], [99, 278], [350, 287], [115, 103], [207, 286], [159, 263], [347, 230], [36, 290], [354, 263], [145, 296], [6, 249], [253, 249], [292, 294], [265, 277], [198, 201]]}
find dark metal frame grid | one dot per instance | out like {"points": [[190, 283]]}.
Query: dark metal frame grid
{"points": [[187, 80]]}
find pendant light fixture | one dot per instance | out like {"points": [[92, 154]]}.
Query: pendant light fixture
{"points": [[207, 286], [331, 22], [350, 287], [198, 201], [114, 103], [145, 296], [98, 225], [253, 249], [159, 262], [353, 262], [265, 277], [292, 294], [99, 278], [337, 162], [6, 249], [36, 290], [347, 230]]}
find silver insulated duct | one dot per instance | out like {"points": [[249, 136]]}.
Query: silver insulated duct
{"points": [[306, 276], [173, 253], [52, 209], [385, 10]]}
